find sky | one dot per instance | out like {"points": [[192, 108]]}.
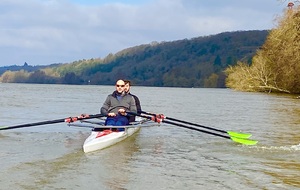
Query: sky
{"points": [[42, 32]]}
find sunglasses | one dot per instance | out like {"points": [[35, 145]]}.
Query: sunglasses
{"points": [[120, 85]]}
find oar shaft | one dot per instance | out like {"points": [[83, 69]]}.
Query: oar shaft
{"points": [[49, 122], [33, 124], [186, 122], [189, 123], [196, 129], [235, 139], [187, 127]]}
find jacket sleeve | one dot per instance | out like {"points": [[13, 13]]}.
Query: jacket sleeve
{"points": [[105, 106]]}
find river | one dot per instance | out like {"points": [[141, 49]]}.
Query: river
{"points": [[161, 157]]}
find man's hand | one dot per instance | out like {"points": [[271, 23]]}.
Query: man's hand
{"points": [[111, 114], [122, 111]]}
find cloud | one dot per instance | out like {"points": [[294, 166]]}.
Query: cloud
{"points": [[51, 31]]}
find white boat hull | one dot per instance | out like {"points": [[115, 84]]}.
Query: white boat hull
{"points": [[102, 139]]}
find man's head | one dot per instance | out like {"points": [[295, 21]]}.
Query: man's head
{"points": [[127, 86], [120, 84]]}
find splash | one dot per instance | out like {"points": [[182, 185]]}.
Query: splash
{"points": [[284, 148], [289, 148], [296, 147]]}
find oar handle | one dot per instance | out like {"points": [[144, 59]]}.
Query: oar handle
{"points": [[82, 117]]}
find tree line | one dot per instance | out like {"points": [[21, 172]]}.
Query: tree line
{"points": [[196, 62]]}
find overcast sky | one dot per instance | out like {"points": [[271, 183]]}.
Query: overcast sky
{"points": [[42, 32]]}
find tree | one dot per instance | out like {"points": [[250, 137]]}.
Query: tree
{"points": [[211, 81], [72, 78], [276, 66]]}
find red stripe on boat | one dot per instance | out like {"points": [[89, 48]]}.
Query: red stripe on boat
{"points": [[103, 133]]}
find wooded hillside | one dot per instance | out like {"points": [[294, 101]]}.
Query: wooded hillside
{"points": [[197, 62]]}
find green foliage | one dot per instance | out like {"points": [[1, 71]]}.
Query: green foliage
{"points": [[41, 78], [71, 78], [197, 62], [276, 65], [185, 63]]}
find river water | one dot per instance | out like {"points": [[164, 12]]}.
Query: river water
{"points": [[162, 157]]}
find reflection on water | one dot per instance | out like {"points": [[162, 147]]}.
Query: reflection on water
{"points": [[115, 161], [281, 163], [285, 172]]}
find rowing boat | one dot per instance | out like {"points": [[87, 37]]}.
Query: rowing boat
{"points": [[105, 136], [101, 139]]}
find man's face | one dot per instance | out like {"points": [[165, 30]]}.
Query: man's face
{"points": [[120, 86], [127, 88]]}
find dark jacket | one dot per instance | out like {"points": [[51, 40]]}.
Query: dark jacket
{"points": [[138, 106], [112, 104], [137, 103]]}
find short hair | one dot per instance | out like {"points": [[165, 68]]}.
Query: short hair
{"points": [[127, 82]]}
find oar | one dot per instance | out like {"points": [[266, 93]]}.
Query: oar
{"points": [[235, 139], [230, 133], [68, 120]]}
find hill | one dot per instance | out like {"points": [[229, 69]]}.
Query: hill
{"points": [[196, 62]]}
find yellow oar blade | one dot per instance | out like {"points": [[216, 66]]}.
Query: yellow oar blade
{"points": [[239, 135], [244, 141]]}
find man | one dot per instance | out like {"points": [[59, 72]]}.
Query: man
{"points": [[117, 104], [136, 99]]}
